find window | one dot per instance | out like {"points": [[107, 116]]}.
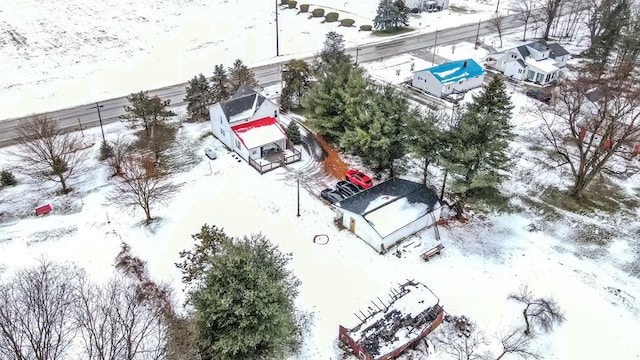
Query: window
{"points": [[222, 132], [220, 119], [237, 144]]}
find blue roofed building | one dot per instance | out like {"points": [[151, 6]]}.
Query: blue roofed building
{"points": [[454, 77]]}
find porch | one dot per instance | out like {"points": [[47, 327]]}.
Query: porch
{"points": [[275, 158]]}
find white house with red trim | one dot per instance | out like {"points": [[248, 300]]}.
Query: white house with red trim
{"points": [[247, 123]]}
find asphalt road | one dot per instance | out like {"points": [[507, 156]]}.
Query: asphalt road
{"points": [[111, 109]]}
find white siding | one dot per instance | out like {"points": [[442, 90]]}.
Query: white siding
{"points": [[411, 229], [267, 109], [425, 81], [239, 148], [515, 70], [362, 229], [219, 125], [464, 85]]}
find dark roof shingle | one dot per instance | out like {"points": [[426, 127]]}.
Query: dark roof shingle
{"points": [[395, 188]]}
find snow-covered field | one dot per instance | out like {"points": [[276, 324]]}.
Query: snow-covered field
{"points": [[583, 261], [57, 54]]}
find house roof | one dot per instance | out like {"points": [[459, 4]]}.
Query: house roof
{"points": [[246, 104], [259, 132], [546, 66], [393, 188], [540, 46], [243, 90], [557, 50], [524, 52], [455, 71]]}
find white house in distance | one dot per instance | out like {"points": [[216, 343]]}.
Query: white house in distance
{"points": [[454, 77], [538, 62], [248, 124], [385, 214], [427, 5]]}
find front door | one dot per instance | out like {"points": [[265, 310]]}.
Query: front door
{"points": [[352, 224]]}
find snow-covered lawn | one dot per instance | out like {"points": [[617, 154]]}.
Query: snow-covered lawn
{"points": [[583, 261]]}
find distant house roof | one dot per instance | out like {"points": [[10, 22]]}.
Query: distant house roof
{"points": [[243, 90], [557, 50], [241, 104], [259, 132], [540, 46], [455, 71]]}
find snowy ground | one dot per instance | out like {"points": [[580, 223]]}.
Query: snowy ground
{"points": [[57, 54], [583, 261]]}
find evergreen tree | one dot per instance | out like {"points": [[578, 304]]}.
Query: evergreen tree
{"points": [[296, 76], [379, 135], [333, 51], [7, 178], [240, 74], [477, 156], [334, 97], [426, 139], [148, 111], [628, 45], [391, 15], [612, 23], [244, 306], [220, 85], [293, 133], [198, 98]]}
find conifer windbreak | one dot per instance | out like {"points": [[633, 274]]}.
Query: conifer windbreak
{"points": [[391, 15], [198, 98], [478, 141]]}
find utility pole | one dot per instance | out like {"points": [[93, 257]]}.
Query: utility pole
{"points": [[478, 34], [357, 53], [98, 106], [277, 32], [435, 44], [497, 5], [298, 215]]}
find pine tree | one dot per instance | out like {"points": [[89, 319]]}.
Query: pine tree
{"points": [[240, 74], [335, 95], [244, 306], [379, 133], [391, 15], [628, 45], [293, 133], [296, 76], [426, 138], [612, 23], [220, 85], [478, 142], [198, 98], [7, 178], [148, 111], [333, 51]]}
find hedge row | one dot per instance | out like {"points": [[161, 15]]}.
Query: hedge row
{"points": [[365, 27], [347, 22], [331, 17], [319, 12], [304, 8], [292, 4]]}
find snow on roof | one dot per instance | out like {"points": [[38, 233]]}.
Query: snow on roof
{"points": [[455, 71], [546, 65], [388, 325], [259, 132], [391, 217]]}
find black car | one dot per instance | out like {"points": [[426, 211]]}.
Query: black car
{"points": [[347, 189], [331, 195], [539, 95]]}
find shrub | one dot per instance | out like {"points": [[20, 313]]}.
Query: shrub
{"points": [[7, 178], [347, 22], [415, 11], [293, 133], [365, 27], [317, 12], [304, 8], [331, 17], [106, 151], [292, 4]]}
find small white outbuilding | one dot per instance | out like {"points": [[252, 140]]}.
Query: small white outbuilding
{"points": [[455, 77]]}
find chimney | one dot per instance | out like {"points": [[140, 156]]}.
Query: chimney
{"points": [[464, 65]]}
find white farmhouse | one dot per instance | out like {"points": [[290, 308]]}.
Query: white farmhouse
{"points": [[248, 124], [454, 77], [385, 214], [538, 62]]}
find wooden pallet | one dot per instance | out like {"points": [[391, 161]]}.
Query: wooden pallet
{"points": [[432, 252]]}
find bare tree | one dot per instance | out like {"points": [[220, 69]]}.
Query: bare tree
{"points": [[460, 338], [597, 11], [117, 323], [550, 10], [516, 343], [592, 119], [143, 185], [47, 153], [121, 149], [526, 14], [35, 308], [573, 17], [498, 21], [542, 311]]}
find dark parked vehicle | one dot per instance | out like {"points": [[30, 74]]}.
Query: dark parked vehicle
{"points": [[346, 188], [331, 195], [539, 95]]}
